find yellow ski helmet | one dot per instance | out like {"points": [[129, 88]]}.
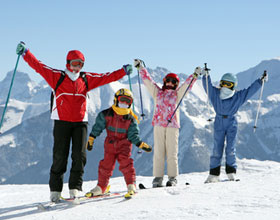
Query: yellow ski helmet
{"points": [[123, 95]]}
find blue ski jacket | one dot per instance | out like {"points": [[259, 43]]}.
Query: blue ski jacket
{"points": [[229, 106], [225, 125]]}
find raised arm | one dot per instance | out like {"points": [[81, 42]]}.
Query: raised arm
{"points": [[95, 79], [49, 74], [245, 94], [150, 84], [189, 82]]}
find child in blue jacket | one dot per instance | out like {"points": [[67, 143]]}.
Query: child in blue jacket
{"points": [[226, 102]]}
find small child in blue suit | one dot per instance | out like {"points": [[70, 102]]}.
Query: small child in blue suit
{"points": [[226, 102]]}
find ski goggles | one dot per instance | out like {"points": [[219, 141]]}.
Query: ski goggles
{"points": [[77, 63], [172, 80], [226, 84], [126, 99]]}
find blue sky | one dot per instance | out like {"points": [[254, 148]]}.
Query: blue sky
{"points": [[231, 36]]}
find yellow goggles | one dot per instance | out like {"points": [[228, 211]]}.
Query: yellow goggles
{"points": [[226, 84]]}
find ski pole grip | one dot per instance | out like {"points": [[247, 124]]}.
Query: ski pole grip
{"points": [[206, 68]]}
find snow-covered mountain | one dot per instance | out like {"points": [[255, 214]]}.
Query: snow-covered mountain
{"points": [[26, 142], [255, 196]]}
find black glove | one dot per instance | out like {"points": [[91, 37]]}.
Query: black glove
{"points": [[264, 77]]}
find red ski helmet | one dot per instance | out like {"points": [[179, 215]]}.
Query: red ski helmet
{"points": [[74, 55], [171, 75]]}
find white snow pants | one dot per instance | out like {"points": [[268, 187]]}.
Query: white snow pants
{"points": [[165, 146]]}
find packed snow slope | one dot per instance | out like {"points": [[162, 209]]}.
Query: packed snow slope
{"points": [[256, 196]]}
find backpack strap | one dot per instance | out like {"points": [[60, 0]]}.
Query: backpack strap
{"points": [[60, 80], [83, 75]]}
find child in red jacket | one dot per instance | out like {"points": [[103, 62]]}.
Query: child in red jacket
{"points": [[122, 129]]}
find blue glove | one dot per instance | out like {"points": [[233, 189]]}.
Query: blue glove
{"points": [[128, 69], [20, 48]]}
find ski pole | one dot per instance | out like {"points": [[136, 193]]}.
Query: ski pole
{"points": [[140, 92], [187, 89], [9, 93], [259, 106], [130, 87], [139, 151], [208, 107]]}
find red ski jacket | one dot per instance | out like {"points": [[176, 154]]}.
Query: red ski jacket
{"points": [[70, 100]]}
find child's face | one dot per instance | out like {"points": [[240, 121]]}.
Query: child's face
{"points": [[171, 83], [123, 105]]}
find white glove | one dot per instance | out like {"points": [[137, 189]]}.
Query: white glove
{"points": [[197, 70], [139, 64]]}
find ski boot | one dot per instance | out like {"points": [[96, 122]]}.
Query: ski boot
{"points": [[231, 176], [55, 196], [131, 190], [96, 191], [212, 179], [74, 193], [172, 181], [157, 182]]}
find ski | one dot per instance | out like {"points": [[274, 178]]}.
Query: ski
{"points": [[46, 207], [90, 196], [223, 180], [72, 201], [142, 186], [227, 180]]}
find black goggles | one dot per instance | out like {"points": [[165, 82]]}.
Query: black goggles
{"points": [[174, 81]]}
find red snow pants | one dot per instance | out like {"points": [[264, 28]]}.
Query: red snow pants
{"points": [[116, 150]]}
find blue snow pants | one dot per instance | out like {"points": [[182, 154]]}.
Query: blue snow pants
{"points": [[225, 129]]}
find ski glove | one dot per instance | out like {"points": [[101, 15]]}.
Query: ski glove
{"points": [[139, 64], [128, 69], [20, 48], [90, 143], [197, 71], [264, 77], [145, 147]]}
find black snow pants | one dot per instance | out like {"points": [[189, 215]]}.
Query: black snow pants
{"points": [[63, 133]]}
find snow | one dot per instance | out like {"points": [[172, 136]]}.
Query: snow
{"points": [[256, 196], [8, 140]]}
